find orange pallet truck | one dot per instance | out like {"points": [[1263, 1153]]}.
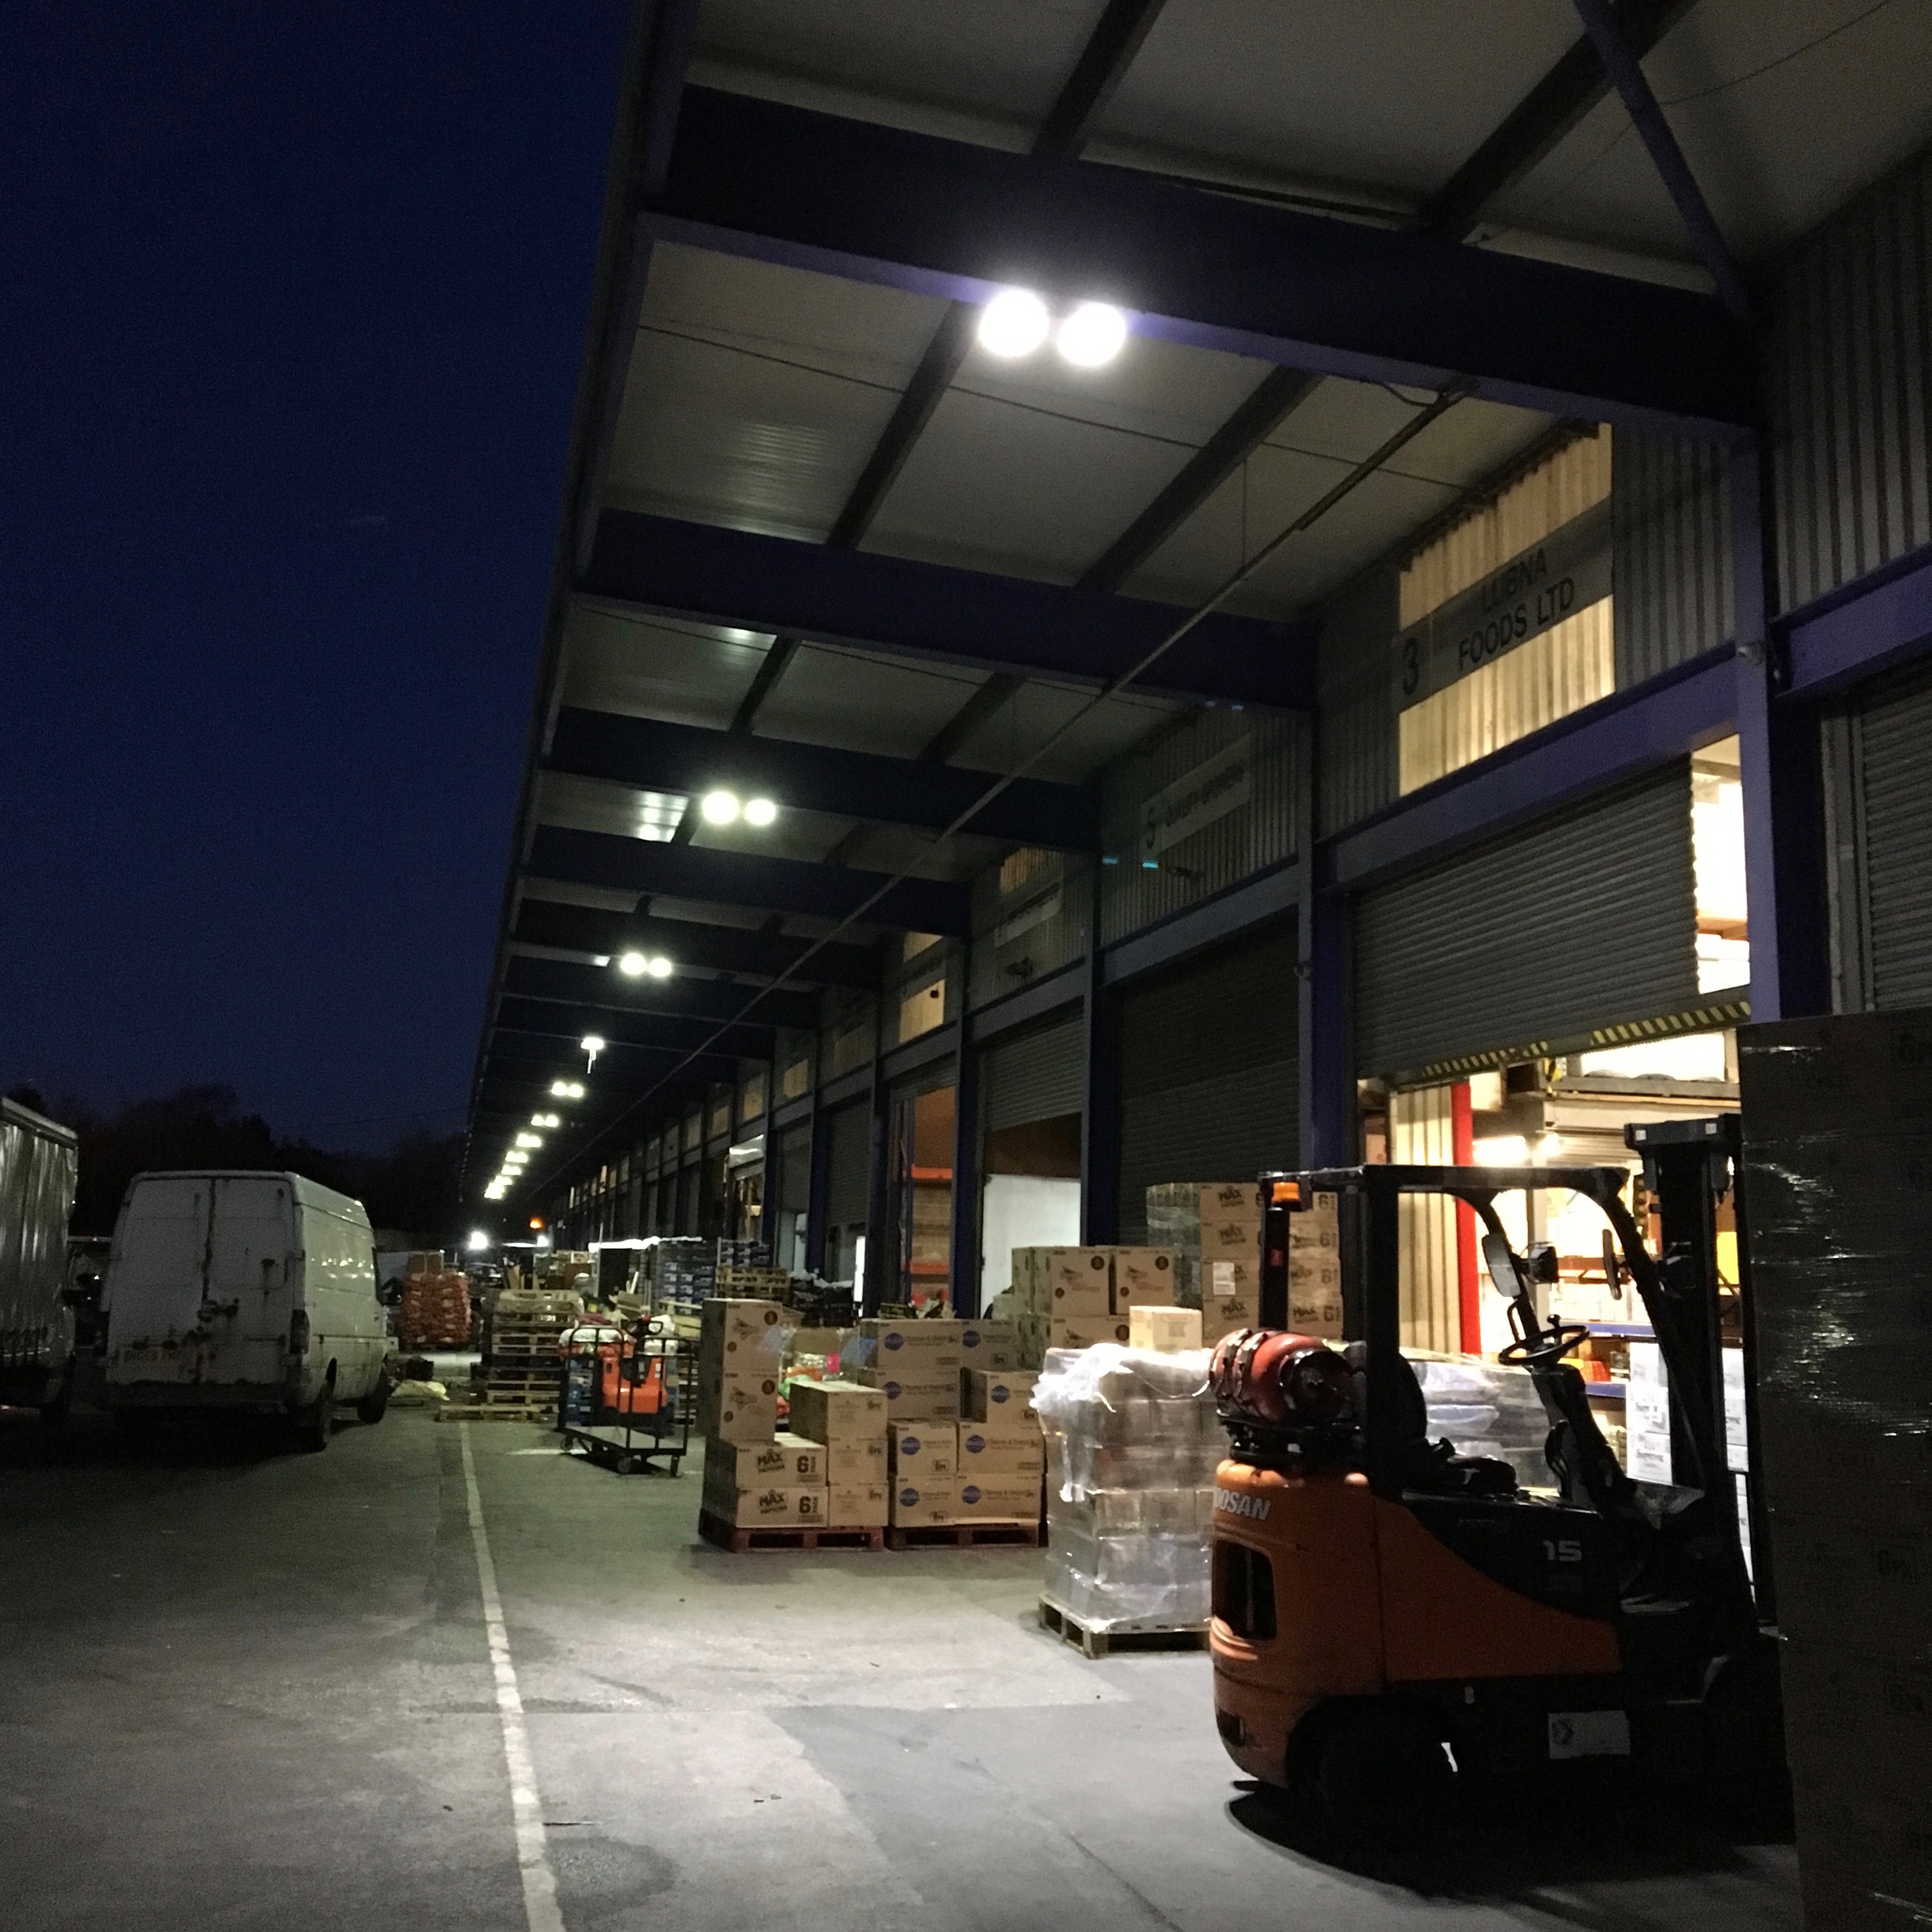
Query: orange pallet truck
{"points": [[1393, 1620]]}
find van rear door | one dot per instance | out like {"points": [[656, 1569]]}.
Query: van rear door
{"points": [[155, 1273], [251, 1264]]}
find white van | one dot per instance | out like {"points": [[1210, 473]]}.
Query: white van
{"points": [[245, 1291]]}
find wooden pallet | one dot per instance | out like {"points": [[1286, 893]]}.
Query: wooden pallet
{"points": [[729, 1536], [963, 1536], [1097, 1643], [497, 1411]]}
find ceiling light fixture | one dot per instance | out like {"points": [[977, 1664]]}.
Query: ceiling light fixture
{"points": [[529, 1140], [632, 965], [546, 1119], [1092, 336], [567, 1090], [759, 812], [1014, 323], [658, 967], [592, 1044], [719, 807]]}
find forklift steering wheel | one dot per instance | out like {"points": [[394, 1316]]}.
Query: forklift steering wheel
{"points": [[1552, 1345]]}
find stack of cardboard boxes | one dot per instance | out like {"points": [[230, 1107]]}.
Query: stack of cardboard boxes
{"points": [[848, 1421], [963, 1444], [755, 1476], [1213, 1229], [1074, 1298]]}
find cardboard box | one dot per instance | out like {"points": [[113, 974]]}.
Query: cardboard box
{"points": [[985, 1394], [756, 1465], [1084, 1331], [912, 1350], [781, 1505], [1231, 1238], [837, 1413], [739, 1412], [1167, 1330], [998, 1499], [858, 1505], [733, 1329], [924, 1401], [989, 1345], [1077, 1281], [1142, 1276], [1224, 1279], [857, 1461], [921, 1453], [1001, 1452], [1311, 1311], [916, 1508]]}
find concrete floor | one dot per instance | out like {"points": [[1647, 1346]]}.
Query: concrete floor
{"points": [[247, 1688]]}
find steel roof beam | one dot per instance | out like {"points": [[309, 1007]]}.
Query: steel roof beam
{"points": [[703, 947], [816, 777], [721, 877], [527, 1021], [789, 185], [604, 987], [901, 607]]}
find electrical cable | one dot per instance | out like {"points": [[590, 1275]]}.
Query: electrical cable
{"points": [[1368, 465]]}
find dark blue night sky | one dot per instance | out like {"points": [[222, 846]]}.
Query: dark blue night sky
{"points": [[293, 300]]}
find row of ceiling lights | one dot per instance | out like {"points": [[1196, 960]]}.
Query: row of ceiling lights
{"points": [[719, 807]]}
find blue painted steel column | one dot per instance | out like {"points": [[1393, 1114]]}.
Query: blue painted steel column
{"points": [[1100, 1104], [1324, 1059], [1777, 739], [964, 1258], [817, 1204]]}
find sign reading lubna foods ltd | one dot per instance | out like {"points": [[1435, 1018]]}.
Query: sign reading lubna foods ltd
{"points": [[1213, 789], [1566, 572]]}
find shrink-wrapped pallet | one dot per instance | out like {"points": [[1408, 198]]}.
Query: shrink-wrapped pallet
{"points": [[1132, 1442]]}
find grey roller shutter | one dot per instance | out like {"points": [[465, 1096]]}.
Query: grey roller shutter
{"points": [[848, 1162], [794, 1170], [1896, 765], [1584, 920], [1038, 1074], [1210, 1082]]}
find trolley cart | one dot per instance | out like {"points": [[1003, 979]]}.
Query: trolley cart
{"points": [[628, 1399]]}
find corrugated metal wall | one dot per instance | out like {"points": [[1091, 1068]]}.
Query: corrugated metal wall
{"points": [[1209, 1085], [847, 1031], [1850, 388], [1137, 888], [1355, 760], [847, 1163], [1031, 915], [1671, 514], [1582, 919], [1422, 1131], [1039, 1074]]}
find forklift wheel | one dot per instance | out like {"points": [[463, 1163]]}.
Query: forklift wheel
{"points": [[1382, 1773]]}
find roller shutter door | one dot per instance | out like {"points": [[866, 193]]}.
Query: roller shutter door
{"points": [[1581, 920], [1209, 1078], [848, 1163], [1895, 776], [794, 1170], [1038, 1075]]}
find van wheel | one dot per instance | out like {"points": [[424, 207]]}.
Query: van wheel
{"points": [[375, 1405], [314, 1424]]}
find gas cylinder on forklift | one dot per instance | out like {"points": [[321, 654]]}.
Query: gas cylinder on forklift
{"points": [[1393, 1618]]}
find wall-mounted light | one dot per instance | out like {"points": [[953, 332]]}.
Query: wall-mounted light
{"points": [[1016, 322], [720, 807], [1092, 336], [546, 1119], [644, 965], [760, 812], [567, 1090], [529, 1140]]}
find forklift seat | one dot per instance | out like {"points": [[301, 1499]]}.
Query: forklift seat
{"points": [[1432, 1467]]}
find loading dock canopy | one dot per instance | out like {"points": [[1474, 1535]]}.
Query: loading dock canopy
{"points": [[820, 545]]}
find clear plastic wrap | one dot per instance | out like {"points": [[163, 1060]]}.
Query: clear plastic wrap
{"points": [[1133, 1444], [1485, 1408]]}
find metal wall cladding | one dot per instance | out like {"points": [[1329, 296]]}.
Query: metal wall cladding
{"points": [[1893, 820], [1039, 1073], [795, 1054], [848, 1031], [1032, 914], [1671, 560], [1583, 919], [795, 1170], [37, 1175], [1422, 1133], [1355, 758], [1849, 383], [922, 991], [848, 1164], [1209, 1083], [1136, 888]]}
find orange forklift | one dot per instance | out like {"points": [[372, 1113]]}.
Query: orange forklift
{"points": [[1394, 1622]]}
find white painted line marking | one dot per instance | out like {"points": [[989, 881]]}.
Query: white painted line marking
{"points": [[540, 1906]]}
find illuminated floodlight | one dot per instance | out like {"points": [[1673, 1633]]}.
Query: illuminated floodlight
{"points": [[719, 807], [546, 1119], [567, 1090], [529, 1140], [479, 1241], [658, 967], [592, 1044], [1014, 323], [1092, 335], [633, 965], [759, 812]]}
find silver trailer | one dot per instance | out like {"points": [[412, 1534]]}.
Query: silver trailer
{"points": [[39, 1162]]}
